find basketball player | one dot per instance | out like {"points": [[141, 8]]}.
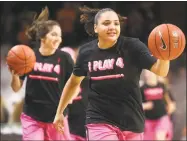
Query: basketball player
{"points": [[76, 110], [158, 125], [45, 82], [114, 64]]}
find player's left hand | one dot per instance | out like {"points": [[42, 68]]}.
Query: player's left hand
{"points": [[171, 108], [59, 123]]}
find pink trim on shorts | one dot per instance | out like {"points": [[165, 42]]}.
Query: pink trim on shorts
{"points": [[36, 130], [109, 132]]}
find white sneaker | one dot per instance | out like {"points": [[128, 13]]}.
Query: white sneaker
{"points": [[6, 130], [16, 129]]}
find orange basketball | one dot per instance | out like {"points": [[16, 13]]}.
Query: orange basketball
{"points": [[166, 42], [21, 59]]}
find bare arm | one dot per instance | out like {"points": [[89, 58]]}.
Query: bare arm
{"points": [[171, 106], [16, 82], [161, 67], [70, 91], [167, 98], [147, 105]]}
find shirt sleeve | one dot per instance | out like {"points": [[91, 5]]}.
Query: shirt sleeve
{"points": [[141, 55], [81, 65], [66, 68], [69, 66]]}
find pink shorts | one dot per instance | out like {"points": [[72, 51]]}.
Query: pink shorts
{"points": [[109, 132], [36, 130], [153, 126]]}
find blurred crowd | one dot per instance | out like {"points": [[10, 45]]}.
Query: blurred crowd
{"points": [[142, 18]]}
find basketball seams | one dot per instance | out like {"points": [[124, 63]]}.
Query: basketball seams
{"points": [[24, 59], [28, 68], [181, 42], [16, 55], [21, 58], [173, 51], [26, 56], [169, 40], [156, 46]]}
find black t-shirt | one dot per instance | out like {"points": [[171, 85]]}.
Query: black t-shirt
{"points": [[114, 95], [45, 84], [156, 95], [77, 110]]}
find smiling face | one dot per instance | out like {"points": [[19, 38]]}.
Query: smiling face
{"points": [[108, 27], [53, 38]]}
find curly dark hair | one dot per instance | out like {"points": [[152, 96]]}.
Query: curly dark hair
{"points": [[40, 26], [90, 16]]}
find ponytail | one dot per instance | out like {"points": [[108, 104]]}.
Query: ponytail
{"points": [[90, 16], [87, 18], [37, 23]]}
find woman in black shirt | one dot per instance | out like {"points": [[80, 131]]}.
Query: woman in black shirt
{"points": [[155, 96], [45, 82], [114, 64]]}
